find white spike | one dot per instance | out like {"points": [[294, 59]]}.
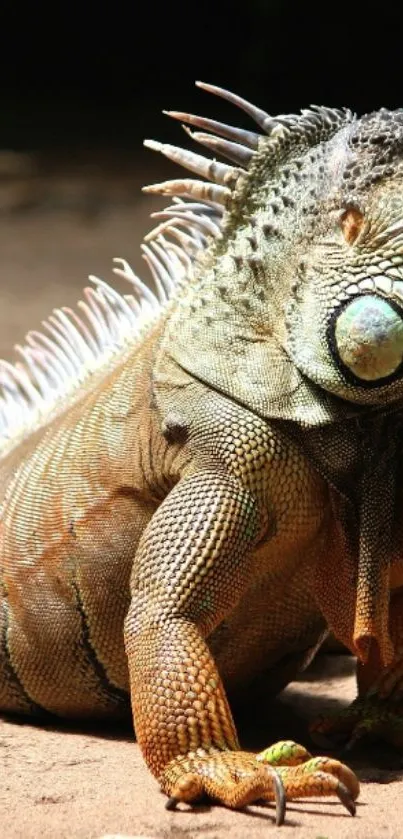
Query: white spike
{"points": [[205, 205], [189, 242], [118, 300], [22, 380], [142, 290], [202, 221], [219, 173], [167, 253], [74, 334], [44, 362], [192, 189], [183, 257], [39, 339], [72, 360], [83, 329], [239, 155], [262, 119], [201, 208], [158, 270], [237, 135], [93, 314]]}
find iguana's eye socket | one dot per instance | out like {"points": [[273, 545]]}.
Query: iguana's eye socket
{"points": [[351, 223]]}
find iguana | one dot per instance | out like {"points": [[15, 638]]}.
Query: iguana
{"points": [[198, 481]]}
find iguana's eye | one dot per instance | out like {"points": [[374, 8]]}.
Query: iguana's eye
{"points": [[351, 223], [368, 336]]}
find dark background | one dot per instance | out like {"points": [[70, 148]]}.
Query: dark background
{"points": [[95, 75]]}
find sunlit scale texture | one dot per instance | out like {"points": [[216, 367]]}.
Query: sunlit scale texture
{"points": [[369, 338]]}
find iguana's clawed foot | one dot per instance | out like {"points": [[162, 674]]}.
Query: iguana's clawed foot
{"points": [[369, 718], [236, 779]]}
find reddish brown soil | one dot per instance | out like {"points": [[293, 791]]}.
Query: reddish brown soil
{"points": [[91, 783]]}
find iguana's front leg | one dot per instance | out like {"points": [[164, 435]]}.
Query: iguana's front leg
{"points": [[193, 563]]}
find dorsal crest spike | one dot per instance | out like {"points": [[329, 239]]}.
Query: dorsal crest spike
{"points": [[262, 119], [233, 151], [188, 188], [218, 173], [237, 135]]}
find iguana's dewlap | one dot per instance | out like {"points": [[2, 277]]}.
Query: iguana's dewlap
{"points": [[369, 337]]}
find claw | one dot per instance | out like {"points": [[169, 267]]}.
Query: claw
{"points": [[355, 738], [345, 798], [171, 803], [363, 729], [279, 794]]}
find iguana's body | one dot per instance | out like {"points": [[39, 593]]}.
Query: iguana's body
{"points": [[130, 467], [227, 485]]}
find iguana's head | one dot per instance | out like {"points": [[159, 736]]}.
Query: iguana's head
{"points": [[307, 270], [344, 319]]}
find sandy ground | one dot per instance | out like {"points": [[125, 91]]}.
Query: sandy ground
{"points": [[91, 783], [86, 783]]}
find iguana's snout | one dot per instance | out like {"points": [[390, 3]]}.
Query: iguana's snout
{"points": [[367, 335]]}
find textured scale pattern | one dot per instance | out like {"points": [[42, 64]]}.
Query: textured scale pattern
{"points": [[200, 478]]}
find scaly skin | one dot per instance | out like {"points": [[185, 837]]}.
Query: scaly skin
{"points": [[239, 511], [229, 485]]}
